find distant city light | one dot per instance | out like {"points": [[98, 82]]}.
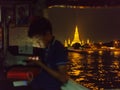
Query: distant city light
{"points": [[70, 6]]}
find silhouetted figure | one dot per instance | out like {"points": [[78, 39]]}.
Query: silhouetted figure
{"points": [[54, 61]]}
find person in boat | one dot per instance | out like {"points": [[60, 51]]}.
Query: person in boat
{"points": [[55, 59]]}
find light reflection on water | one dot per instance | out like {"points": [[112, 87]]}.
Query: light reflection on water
{"points": [[97, 71]]}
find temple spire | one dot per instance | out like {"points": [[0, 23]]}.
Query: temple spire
{"points": [[76, 37], [65, 44]]}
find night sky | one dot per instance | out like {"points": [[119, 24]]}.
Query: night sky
{"points": [[97, 24]]}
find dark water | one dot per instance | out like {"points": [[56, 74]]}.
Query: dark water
{"points": [[96, 70]]}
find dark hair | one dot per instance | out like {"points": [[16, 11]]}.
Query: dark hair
{"points": [[39, 27]]}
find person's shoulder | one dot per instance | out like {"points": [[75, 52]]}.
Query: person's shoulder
{"points": [[58, 43]]}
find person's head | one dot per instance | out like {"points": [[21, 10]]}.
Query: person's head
{"points": [[41, 29]]}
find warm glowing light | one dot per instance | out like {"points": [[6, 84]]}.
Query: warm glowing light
{"points": [[88, 41], [76, 37], [116, 42], [80, 79], [100, 52], [77, 56], [57, 6], [100, 43], [112, 47], [116, 53], [90, 52], [72, 6], [33, 58], [65, 44], [76, 72]]}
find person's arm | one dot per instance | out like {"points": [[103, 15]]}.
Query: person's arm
{"points": [[61, 74]]}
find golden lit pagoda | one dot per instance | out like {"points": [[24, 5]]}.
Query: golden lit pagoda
{"points": [[65, 44], [76, 37]]}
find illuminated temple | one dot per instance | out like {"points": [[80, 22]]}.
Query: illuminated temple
{"points": [[76, 39]]}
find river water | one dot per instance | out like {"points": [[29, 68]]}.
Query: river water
{"points": [[95, 70]]}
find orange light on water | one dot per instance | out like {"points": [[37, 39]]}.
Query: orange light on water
{"points": [[100, 52], [116, 53], [90, 52]]}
